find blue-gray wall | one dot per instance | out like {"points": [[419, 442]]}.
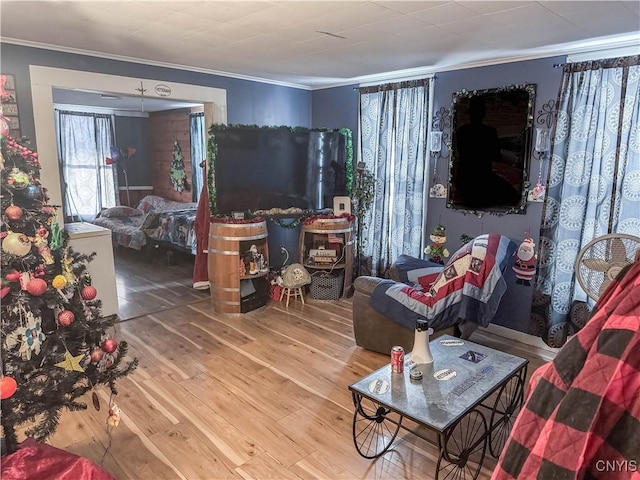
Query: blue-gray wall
{"points": [[547, 80], [335, 108], [134, 132], [252, 103], [339, 106], [264, 104]]}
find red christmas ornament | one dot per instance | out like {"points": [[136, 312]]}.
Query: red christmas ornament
{"points": [[96, 355], [36, 286], [89, 292], [8, 387], [13, 276], [66, 318], [13, 212], [109, 345]]}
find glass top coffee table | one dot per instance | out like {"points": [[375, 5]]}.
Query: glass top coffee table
{"points": [[469, 396]]}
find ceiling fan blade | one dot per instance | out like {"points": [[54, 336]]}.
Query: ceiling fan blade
{"points": [[596, 264]]}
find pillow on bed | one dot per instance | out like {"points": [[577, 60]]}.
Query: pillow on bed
{"points": [[151, 202], [121, 211], [145, 206]]}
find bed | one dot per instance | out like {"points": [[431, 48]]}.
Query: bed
{"points": [[154, 221]]}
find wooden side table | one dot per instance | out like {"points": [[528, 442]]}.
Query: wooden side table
{"points": [[227, 244], [333, 234]]}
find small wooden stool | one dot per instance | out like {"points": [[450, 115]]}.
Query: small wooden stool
{"points": [[297, 292]]}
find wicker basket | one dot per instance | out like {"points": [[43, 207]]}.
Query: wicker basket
{"points": [[327, 285]]}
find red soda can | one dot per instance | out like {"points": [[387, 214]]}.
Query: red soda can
{"points": [[397, 359]]}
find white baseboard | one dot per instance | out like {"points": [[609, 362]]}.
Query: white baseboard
{"points": [[527, 343]]}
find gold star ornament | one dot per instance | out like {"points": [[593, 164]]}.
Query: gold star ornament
{"points": [[71, 363]]}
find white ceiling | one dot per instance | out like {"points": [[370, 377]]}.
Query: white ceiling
{"points": [[314, 44]]}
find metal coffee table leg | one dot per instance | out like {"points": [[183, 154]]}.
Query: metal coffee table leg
{"points": [[504, 411], [462, 448], [374, 426]]}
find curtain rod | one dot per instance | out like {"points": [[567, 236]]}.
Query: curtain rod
{"points": [[382, 85], [83, 114]]}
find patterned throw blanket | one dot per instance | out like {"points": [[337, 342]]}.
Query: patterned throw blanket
{"points": [[467, 290], [176, 227], [581, 418]]}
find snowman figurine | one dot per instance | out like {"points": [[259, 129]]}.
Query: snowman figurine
{"points": [[437, 250], [525, 263]]}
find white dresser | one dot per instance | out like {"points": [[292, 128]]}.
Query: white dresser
{"points": [[88, 238]]}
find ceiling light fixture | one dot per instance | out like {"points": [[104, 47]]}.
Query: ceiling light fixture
{"points": [[110, 97], [141, 90]]}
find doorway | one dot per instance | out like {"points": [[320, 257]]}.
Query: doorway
{"points": [[45, 79], [151, 280]]}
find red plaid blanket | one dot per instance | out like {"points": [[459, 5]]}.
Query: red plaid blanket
{"points": [[581, 419]]}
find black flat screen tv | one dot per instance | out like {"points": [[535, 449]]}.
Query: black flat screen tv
{"points": [[260, 168]]}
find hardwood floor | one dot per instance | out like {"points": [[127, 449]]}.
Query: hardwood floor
{"points": [[262, 395], [148, 284]]}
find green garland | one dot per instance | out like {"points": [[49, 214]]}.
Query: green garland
{"points": [[212, 151], [278, 221], [237, 221], [464, 238], [349, 166]]}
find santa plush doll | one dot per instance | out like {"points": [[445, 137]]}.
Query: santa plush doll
{"points": [[525, 263]]}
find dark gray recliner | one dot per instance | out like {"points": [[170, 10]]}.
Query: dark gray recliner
{"points": [[477, 305], [374, 331]]}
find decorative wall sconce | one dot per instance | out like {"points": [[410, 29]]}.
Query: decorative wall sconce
{"points": [[435, 142], [542, 147], [441, 122], [543, 142]]}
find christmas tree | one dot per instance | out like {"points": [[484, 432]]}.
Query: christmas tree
{"points": [[56, 346], [177, 172]]}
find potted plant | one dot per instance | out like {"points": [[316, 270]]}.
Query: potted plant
{"points": [[363, 195]]}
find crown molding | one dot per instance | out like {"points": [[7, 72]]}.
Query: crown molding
{"points": [[607, 46], [154, 63], [599, 45]]}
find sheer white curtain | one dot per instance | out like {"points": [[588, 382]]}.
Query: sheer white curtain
{"points": [[198, 152], [84, 141]]}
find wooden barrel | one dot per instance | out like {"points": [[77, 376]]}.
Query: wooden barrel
{"points": [[326, 226], [224, 261]]}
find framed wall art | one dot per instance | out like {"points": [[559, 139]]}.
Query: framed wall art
{"points": [[9, 103], [491, 149]]}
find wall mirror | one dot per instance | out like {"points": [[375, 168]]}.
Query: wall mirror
{"points": [[490, 149]]}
